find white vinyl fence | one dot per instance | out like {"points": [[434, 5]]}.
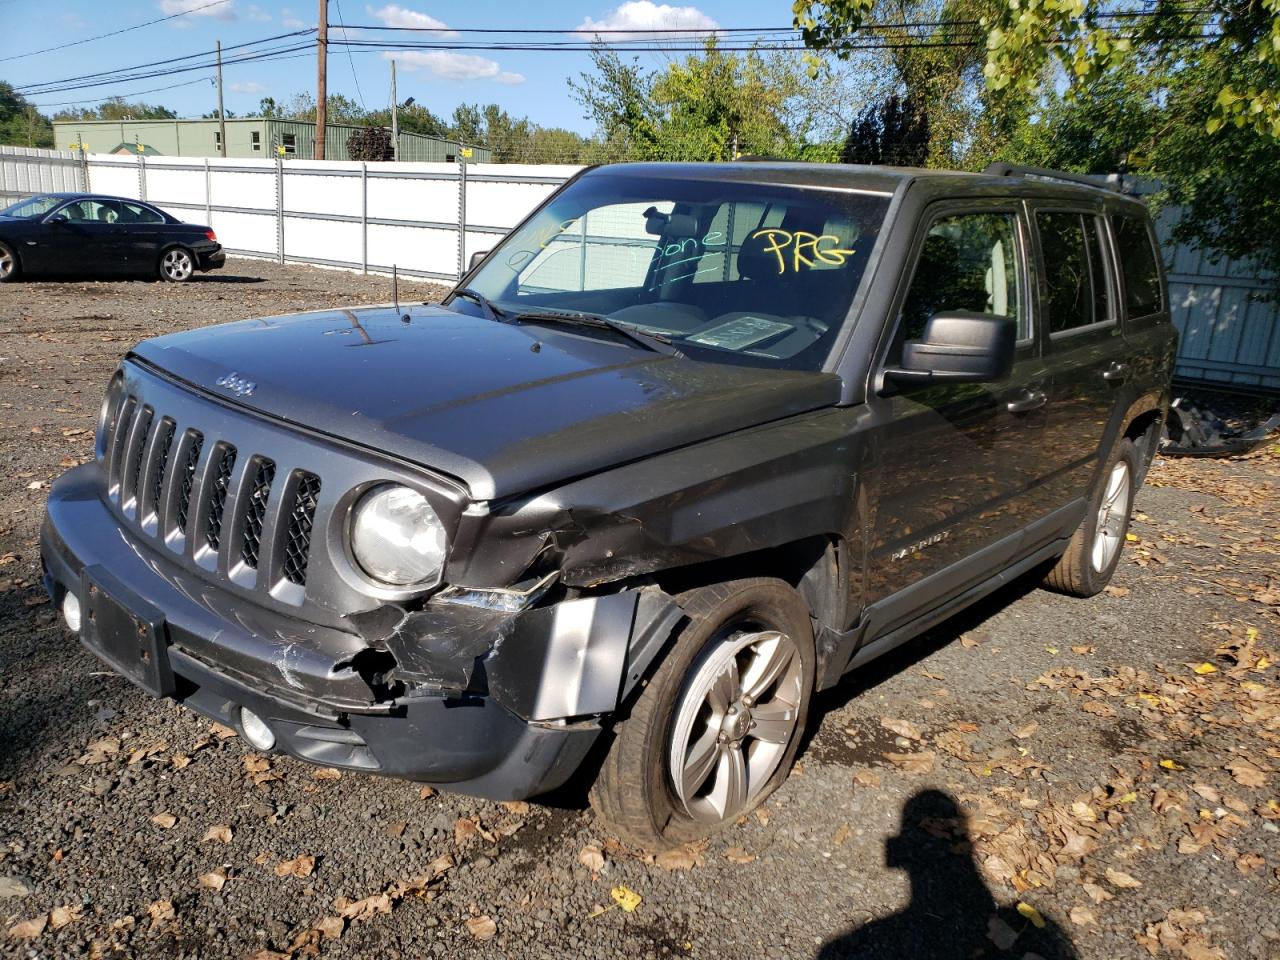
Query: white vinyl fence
{"points": [[424, 219]]}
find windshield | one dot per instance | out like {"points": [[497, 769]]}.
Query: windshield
{"points": [[31, 208], [736, 272]]}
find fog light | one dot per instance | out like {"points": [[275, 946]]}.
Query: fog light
{"points": [[71, 611], [255, 730]]}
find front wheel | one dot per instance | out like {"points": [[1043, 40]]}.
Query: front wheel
{"points": [[716, 729], [1094, 551], [177, 265], [9, 268]]}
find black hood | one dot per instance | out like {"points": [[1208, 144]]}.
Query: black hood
{"points": [[504, 408]]}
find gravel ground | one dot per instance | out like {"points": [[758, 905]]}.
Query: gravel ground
{"points": [[1040, 776]]}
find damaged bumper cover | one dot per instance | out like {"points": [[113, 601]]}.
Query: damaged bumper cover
{"points": [[481, 692]]}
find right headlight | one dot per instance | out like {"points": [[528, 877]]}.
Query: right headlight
{"points": [[396, 537]]}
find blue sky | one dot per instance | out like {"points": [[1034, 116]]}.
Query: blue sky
{"points": [[523, 82]]}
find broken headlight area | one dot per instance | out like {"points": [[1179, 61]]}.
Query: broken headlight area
{"points": [[576, 657]]}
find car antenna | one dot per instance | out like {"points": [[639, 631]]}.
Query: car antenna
{"points": [[395, 295]]}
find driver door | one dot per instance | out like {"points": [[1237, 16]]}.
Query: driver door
{"points": [[82, 238], [956, 467]]}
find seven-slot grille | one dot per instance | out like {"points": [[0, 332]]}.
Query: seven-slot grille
{"points": [[193, 492]]}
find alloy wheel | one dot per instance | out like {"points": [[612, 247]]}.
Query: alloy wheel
{"points": [[733, 723], [7, 263], [177, 265], [1112, 517]]}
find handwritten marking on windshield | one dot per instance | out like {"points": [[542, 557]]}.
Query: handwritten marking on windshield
{"points": [[801, 242]]}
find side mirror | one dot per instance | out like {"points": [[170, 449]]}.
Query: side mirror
{"points": [[959, 346], [476, 258]]}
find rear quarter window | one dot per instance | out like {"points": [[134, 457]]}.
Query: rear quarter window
{"points": [[1136, 252]]}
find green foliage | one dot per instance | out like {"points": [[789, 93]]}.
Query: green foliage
{"points": [[21, 124], [703, 107], [118, 109], [894, 132]]}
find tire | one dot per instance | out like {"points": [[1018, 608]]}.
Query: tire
{"points": [[1094, 551], [756, 624], [10, 268], [177, 265]]}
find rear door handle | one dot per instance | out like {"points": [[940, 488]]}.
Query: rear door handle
{"points": [[1031, 400], [1116, 372]]}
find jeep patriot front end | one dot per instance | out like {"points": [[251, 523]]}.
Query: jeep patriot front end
{"points": [[690, 444]]}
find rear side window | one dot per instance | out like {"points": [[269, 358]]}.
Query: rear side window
{"points": [[136, 213], [1142, 294], [969, 261], [1077, 293]]}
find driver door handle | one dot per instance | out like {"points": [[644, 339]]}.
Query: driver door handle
{"points": [[1116, 372], [1031, 400]]}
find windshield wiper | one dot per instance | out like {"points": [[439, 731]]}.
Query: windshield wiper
{"points": [[490, 311], [642, 338]]}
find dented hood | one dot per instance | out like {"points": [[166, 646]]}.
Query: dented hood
{"points": [[504, 408]]}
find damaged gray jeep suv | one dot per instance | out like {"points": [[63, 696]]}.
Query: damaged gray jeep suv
{"points": [[689, 445]]}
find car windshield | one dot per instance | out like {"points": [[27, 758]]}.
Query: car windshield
{"points": [[31, 208], [736, 272]]}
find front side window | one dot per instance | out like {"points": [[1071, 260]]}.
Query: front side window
{"points": [[731, 272], [90, 211], [1137, 255], [290, 142], [1075, 279], [969, 261]]}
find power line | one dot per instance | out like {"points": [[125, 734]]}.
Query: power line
{"points": [[122, 96], [114, 33], [351, 60]]}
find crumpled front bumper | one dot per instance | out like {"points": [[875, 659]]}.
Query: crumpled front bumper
{"points": [[520, 724]]}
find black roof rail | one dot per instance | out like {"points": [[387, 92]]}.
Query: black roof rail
{"points": [[1002, 169]]}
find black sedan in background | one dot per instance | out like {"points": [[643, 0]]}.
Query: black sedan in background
{"points": [[88, 234]]}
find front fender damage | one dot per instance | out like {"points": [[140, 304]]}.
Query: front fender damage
{"points": [[577, 658]]}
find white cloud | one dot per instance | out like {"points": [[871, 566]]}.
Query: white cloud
{"points": [[223, 10], [289, 21], [453, 66], [251, 87], [507, 77], [257, 14], [73, 21], [655, 20], [396, 16]]}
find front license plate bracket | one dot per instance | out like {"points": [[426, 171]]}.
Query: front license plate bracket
{"points": [[126, 631]]}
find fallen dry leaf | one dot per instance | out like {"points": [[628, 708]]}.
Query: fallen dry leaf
{"points": [[29, 929], [1247, 774], [518, 807], [426, 793], [684, 857], [299, 866], [465, 829], [327, 773], [591, 858], [738, 855], [221, 731], [360, 910], [1026, 730], [214, 880], [1122, 880], [160, 911], [164, 821], [331, 927], [903, 728], [921, 762], [626, 898], [219, 832], [482, 928], [59, 917], [866, 778]]}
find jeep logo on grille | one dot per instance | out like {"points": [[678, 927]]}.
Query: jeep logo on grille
{"points": [[237, 384]]}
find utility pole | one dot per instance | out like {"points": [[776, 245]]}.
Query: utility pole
{"points": [[222, 114], [322, 79], [395, 116]]}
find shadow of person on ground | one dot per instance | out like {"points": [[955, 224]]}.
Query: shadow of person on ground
{"points": [[952, 915]]}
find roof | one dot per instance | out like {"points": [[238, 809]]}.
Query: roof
{"points": [[844, 176], [146, 150]]}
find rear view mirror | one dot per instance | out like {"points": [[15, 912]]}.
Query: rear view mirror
{"points": [[476, 258], [959, 346]]}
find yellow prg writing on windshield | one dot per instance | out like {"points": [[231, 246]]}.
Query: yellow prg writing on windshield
{"points": [[805, 248]]}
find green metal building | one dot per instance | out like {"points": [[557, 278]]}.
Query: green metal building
{"points": [[247, 138]]}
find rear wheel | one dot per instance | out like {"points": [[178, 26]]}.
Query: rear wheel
{"points": [[1094, 551], [716, 729], [177, 265], [9, 266]]}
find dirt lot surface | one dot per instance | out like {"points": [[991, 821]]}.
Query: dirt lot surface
{"points": [[1038, 777]]}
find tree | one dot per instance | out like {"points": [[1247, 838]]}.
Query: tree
{"points": [[117, 108], [894, 132], [21, 124]]}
